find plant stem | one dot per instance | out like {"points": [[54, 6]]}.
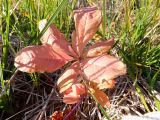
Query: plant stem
{"points": [[104, 19], [5, 38], [74, 108]]}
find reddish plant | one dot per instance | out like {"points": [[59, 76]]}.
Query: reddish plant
{"points": [[91, 69]]}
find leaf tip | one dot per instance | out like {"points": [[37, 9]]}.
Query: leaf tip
{"points": [[42, 24]]}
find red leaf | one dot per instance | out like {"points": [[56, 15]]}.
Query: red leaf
{"points": [[40, 59], [78, 89], [70, 99], [87, 21], [68, 77], [72, 95], [99, 48], [54, 37], [102, 68]]}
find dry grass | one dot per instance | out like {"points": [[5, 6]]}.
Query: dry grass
{"points": [[31, 103]]}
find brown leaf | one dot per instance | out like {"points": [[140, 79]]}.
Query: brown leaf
{"points": [[40, 59], [101, 97], [106, 84], [57, 115]]}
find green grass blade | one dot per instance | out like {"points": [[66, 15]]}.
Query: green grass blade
{"points": [[127, 14], [100, 107], [153, 80], [5, 36], [157, 103], [1, 77], [142, 98], [104, 19]]}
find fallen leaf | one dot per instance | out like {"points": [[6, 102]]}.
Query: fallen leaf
{"points": [[57, 115]]}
